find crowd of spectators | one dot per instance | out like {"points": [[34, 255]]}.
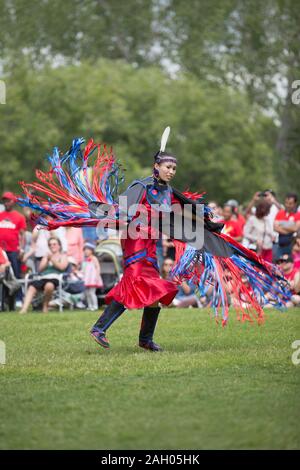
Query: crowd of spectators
{"points": [[266, 226]]}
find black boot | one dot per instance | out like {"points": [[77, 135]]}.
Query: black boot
{"points": [[149, 321], [110, 314]]}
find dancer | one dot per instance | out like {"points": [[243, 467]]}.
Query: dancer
{"points": [[75, 200]]}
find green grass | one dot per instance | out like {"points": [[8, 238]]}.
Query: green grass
{"points": [[213, 388]]}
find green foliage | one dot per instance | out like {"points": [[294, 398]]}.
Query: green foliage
{"points": [[212, 388], [251, 45], [218, 136], [76, 29]]}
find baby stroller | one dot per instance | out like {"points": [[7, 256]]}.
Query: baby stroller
{"points": [[9, 286], [110, 257], [70, 295]]}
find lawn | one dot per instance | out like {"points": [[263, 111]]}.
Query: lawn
{"points": [[212, 388]]}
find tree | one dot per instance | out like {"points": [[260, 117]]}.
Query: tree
{"points": [[217, 134], [249, 45], [75, 30]]}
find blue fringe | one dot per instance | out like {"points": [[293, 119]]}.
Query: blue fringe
{"points": [[261, 282]]}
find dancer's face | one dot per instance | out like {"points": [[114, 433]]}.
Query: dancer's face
{"points": [[166, 170]]}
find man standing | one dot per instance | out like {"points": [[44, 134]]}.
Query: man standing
{"points": [[231, 226], [12, 231], [233, 203], [287, 222]]}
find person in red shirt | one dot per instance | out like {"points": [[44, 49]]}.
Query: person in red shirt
{"points": [[296, 251], [292, 275], [231, 225], [12, 230], [236, 214], [287, 222]]}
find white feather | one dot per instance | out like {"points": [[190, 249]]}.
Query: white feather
{"points": [[164, 139]]}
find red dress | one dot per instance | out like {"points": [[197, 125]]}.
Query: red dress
{"points": [[141, 284]]}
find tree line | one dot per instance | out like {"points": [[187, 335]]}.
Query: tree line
{"points": [[219, 72]]}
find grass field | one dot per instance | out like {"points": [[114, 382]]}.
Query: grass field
{"points": [[212, 388]]}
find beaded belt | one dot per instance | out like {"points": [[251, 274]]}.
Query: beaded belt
{"points": [[139, 256]]}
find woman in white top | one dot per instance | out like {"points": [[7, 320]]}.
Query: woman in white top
{"points": [[39, 244], [258, 232]]}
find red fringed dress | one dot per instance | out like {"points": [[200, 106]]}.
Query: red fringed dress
{"points": [[141, 284]]}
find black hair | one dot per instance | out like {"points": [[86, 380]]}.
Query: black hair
{"points": [[270, 191], [292, 196]]}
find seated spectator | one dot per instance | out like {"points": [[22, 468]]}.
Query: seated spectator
{"points": [[50, 268], [271, 302], [231, 226], [258, 232], [287, 222], [39, 244], [186, 296], [167, 267], [292, 275]]}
